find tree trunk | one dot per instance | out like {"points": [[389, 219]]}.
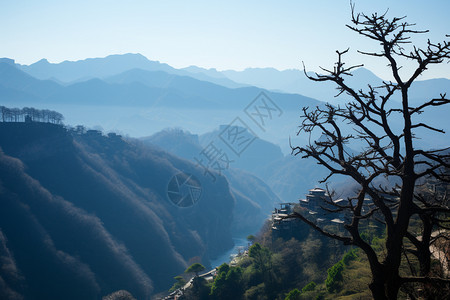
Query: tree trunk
{"points": [[392, 287], [377, 289], [385, 284]]}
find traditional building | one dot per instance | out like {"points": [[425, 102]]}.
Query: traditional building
{"points": [[283, 227]]}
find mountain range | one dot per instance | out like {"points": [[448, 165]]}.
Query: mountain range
{"points": [[73, 71], [133, 95], [279, 178], [286, 81], [132, 87], [88, 214], [254, 198], [95, 216]]}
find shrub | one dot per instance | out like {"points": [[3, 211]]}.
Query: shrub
{"points": [[309, 287], [349, 256], [180, 282], [293, 295], [334, 277]]}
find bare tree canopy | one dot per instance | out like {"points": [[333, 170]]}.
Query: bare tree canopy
{"points": [[385, 151], [36, 115]]}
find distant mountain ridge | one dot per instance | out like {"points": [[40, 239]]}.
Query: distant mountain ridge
{"points": [[13, 79], [295, 81], [164, 91], [285, 81], [71, 71], [134, 87]]}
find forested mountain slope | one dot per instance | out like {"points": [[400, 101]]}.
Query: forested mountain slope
{"points": [[83, 215]]}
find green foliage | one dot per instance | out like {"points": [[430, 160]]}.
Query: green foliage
{"points": [[262, 262], [199, 290], [271, 273], [254, 250], [334, 278], [251, 238], [228, 283], [349, 256], [378, 244], [288, 263], [251, 276], [370, 230], [365, 236], [293, 295], [180, 282], [333, 281], [357, 276], [195, 268], [309, 287], [261, 256], [234, 274], [223, 268], [245, 262], [256, 292]]}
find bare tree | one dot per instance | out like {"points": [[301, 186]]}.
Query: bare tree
{"points": [[3, 113], [37, 115], [386, 151]]}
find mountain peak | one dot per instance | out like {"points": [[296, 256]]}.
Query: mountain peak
{"points": [[43, 61], [135, 56], [8, 61]]}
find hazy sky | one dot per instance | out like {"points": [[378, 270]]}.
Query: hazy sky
{"points": [[211, 34]]}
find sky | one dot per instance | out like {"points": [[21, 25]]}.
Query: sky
{"points": [[211, 34]]}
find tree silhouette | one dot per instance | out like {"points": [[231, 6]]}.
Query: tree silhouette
{"points": [[251, 239], [387, 152], [195, 268], [36, 115]]}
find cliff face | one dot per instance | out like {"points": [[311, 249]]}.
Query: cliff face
{"points": [[85, 215]]}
